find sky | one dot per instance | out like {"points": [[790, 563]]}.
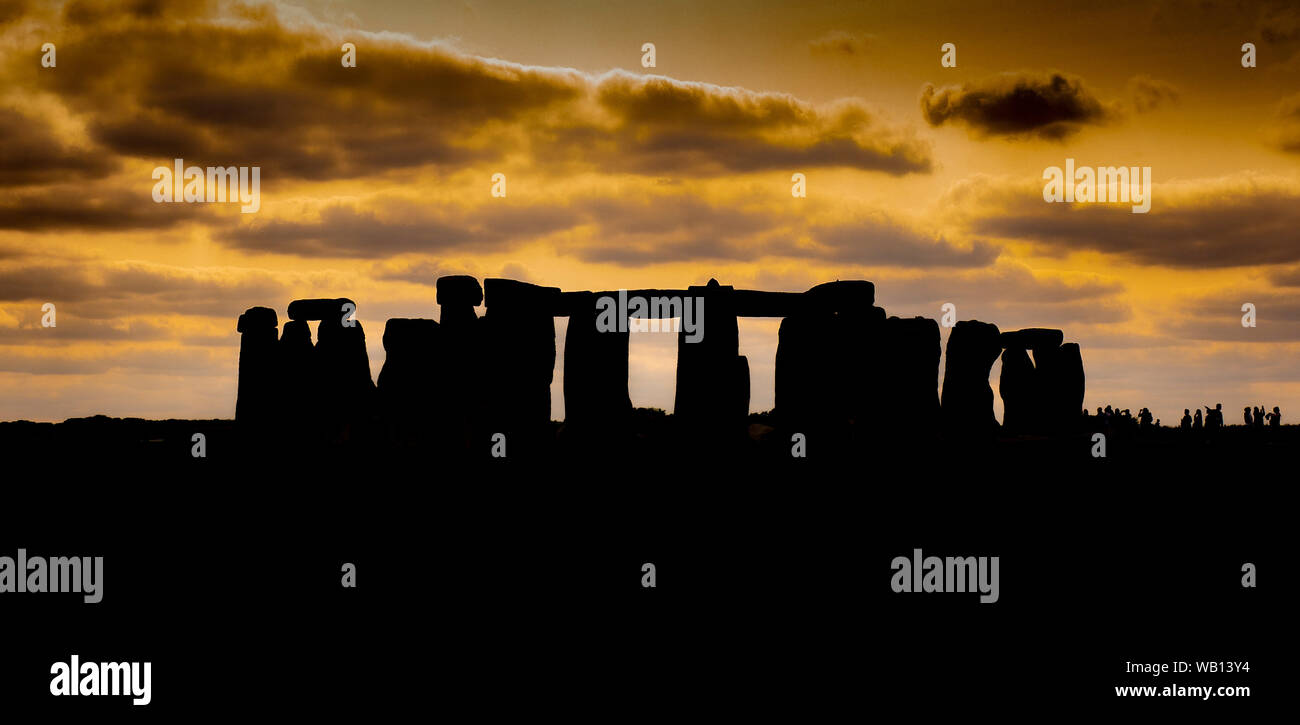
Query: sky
{"points": [[376, 179]]}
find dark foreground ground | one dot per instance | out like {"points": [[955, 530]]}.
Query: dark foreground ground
{"points": [[508, 586]]}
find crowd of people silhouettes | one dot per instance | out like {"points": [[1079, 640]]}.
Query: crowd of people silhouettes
{"points": [[1256, 418]]}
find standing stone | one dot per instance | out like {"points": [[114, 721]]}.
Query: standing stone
{"points": [[407, 387], [297, 380], [596, 400], [859, 350], [256, 397], [1047, 398], [712, 397], [829, 360], [519, 332], [460, 358], [344, 367], [1063, 388], [458, 295], [344, 389], [805, 387], [967, 406], [1019, 388], [910, 378]]}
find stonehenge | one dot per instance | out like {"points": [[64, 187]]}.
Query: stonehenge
{"points": [[1043, 395], [712, 394], [256, 396], [409, 381], [519, 342], [967, 405], [841, 364], [911, 364], [595, 370], [828, 358]]}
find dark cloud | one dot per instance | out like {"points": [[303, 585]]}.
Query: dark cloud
{"points": [[425, 272], [882, 242], [1279, 25], [344, 230], [1288, 277], [1287, 124], [29, 154], [1223, 223], [1218, 317], [1047, 106], [11, 10], [162, 80], [680, 228], [75, 206], [1008, 294], [102, 291], [626, 230]]}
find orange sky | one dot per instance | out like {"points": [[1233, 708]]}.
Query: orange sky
{"points": [[375, 180]]}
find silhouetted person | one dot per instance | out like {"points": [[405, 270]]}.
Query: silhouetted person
{"points": [[1213, 417], [1144, 418], [1186, 423], [1196, 423], [1275, 418], [1246, 413], [1259, 418]]}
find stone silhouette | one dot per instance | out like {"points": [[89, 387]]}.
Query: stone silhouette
{"points": [[256, 403], [460, 363], [841, 365], [596, 400], [712, 377], [297, 378], [1019, 387], [829, 360], [910, 376], [973, 347], [1068, 387], [1041, 395], [407, 389], [519, 360], [342, 365]]}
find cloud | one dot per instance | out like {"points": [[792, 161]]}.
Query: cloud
{"points": [[1218, 316], [1148, 94], [1286, 133], [260, 85], [839, 42], [11, 10], [1236, 221], [77, 206], [1288, 277], [1017, 105], [1009, 294], [629, 229], [107, 290], [30, 154], [70, 328]]}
